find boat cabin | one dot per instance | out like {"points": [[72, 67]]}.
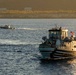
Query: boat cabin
{"points": [[58, 33]]}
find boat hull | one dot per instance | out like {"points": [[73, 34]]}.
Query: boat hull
{"points": [[48, 52]]}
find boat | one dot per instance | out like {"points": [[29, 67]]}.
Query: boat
{"points": [[58, 45], [7, 27]]}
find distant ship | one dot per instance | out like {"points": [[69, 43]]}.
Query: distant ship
{"points": [[58, 45], [7, 27]]}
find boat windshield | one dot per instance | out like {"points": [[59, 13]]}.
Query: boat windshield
{"points": [[54, 34]]}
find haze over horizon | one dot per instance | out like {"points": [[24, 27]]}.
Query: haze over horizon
{"points": [[38, 4]]}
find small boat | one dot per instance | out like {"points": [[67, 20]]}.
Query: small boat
{"points": [[58, 45], [6, 27]]}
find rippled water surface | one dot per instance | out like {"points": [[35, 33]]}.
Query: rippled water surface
{"points": [[19, 53]]}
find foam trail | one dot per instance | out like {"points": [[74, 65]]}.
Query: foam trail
{"points": [[32, 28], [16, 42]]}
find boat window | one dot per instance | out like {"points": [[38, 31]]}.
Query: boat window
{"points": [[75, 46], [64, 45], [54, 34]]}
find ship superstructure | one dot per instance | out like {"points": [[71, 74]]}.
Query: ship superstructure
{"points": [[58, 45]]}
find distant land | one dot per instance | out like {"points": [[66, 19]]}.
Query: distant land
{"points": [[37, 8]]}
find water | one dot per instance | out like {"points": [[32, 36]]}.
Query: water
{"points": [[19, 53]]}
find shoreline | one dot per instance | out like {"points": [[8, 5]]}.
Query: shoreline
{"points": [[38, 14]]}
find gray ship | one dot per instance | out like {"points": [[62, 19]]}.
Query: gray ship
{"points": [[59, 45], [7, 27]]}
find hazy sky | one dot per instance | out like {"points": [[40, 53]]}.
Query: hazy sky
{"points": [[39, 4]]}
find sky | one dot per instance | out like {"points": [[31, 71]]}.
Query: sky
{"points": [[38, 4]]}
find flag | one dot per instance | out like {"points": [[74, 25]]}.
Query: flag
{"points": [[72, 34]]}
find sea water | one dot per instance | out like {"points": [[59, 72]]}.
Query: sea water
{"points": [[19, 54]]}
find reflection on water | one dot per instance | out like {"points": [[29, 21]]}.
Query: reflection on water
{"points": [[59, 67]]}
